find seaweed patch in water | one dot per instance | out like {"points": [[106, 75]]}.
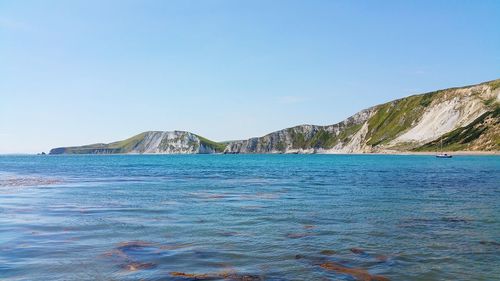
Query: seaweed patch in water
{"points": [[28, 181], [134, 245], [456, 219], [194, 276], [382, 258], [176, 246], [358, 251], [358, 273], [217, 276], [451, 221], [490, 243], [129, 254], [299, 256], [116, 253], [328, 252]]}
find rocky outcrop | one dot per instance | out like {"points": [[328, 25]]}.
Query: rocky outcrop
{"points": [[157, 142], [342, 137]]}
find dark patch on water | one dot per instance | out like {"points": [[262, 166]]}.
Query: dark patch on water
{"points": [[357, 273], [28, 181], [358, 251], [448, 222], [231, 276], [490, 243], [328, 252], [133, 255], [299, 235]]}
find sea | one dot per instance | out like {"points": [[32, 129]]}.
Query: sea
{"points": [[249, 217]]}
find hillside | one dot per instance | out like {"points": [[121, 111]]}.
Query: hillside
{"points": [[465, 118], [176, 142]]}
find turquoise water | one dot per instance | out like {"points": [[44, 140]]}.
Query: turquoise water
{"points": [[249, 217]]}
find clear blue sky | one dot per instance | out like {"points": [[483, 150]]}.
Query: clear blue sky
{"points": [[79, 72]]}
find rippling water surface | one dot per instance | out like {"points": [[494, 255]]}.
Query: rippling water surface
{"points": [[249, 217]]}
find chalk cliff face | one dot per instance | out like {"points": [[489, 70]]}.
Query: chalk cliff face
{"points": [[466, 118], [342, 137], [176, 142]]}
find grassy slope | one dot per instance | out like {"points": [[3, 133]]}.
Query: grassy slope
{"points": [[124, 146], [481, 134], [114, 147], [495, 84], [393, 118], [217, 146], [128, 144], [321, 139], [469, 137], [390, 120]]}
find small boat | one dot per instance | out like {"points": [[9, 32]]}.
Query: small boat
{"points": [[441, 154]]}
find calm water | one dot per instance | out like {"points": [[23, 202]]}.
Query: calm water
{"points": [[249, 217]]}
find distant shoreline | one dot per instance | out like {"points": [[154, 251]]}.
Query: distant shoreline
{"points": [[402, 153]]}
